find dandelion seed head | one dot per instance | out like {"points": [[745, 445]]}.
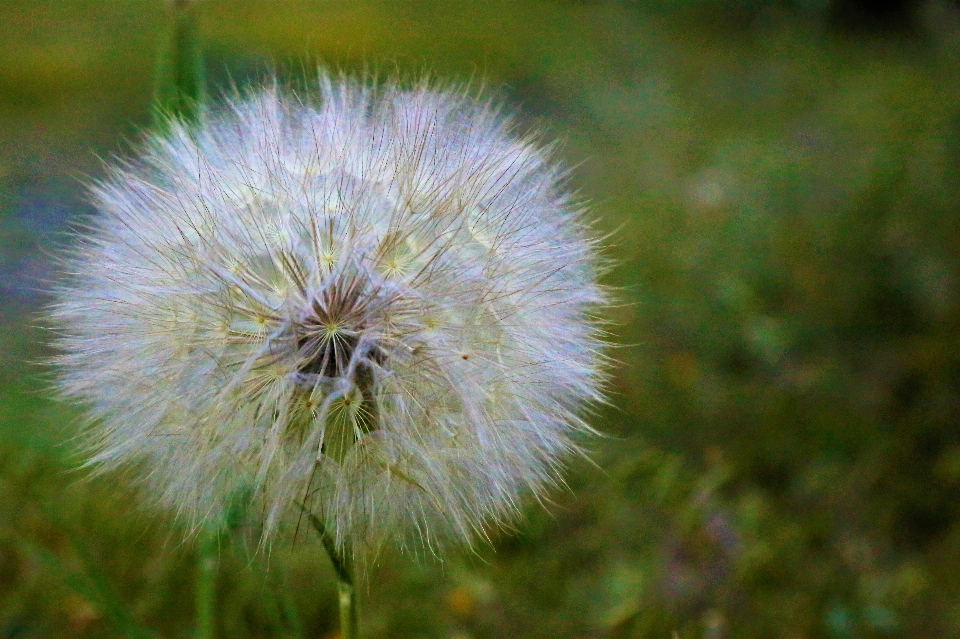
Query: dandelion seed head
{"points": [[377, 306]]}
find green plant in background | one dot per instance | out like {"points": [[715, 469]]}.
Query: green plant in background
{"points": [[373, 310], [179, 96], [783, 458], [180, 77]]}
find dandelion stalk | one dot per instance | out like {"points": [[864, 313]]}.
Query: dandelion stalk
{"points": [[206, 590], [346, 588]]}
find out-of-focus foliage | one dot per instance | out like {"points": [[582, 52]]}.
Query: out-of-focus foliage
{"points": [[783, 447]]}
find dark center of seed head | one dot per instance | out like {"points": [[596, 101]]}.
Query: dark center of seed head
{"points": [[325, 347], [328, 337]]}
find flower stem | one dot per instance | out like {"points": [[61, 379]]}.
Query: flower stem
{"points": [[346, 590], [349, 623], [207, 565]]}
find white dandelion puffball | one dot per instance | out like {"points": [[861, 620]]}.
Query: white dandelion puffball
{"points": [[376, 306]]}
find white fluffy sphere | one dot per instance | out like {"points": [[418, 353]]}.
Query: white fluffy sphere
{"points": [[376, 306]]}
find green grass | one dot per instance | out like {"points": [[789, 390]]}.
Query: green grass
{"points": [[782, 456]]}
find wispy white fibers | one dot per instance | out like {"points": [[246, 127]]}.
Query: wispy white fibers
{"points": [[377, 305]]}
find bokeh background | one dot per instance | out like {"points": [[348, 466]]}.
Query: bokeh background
{"points": [[782, 451]]}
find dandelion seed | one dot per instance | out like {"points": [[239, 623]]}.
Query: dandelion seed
{"points": [[376, 307]]}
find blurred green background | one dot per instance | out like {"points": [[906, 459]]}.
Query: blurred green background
{"points": [[782, 452]]}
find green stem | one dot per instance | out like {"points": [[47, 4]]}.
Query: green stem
{"points": [[207, 565], [346, 590], [179, 94], [349, 621], [180, 78]]}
